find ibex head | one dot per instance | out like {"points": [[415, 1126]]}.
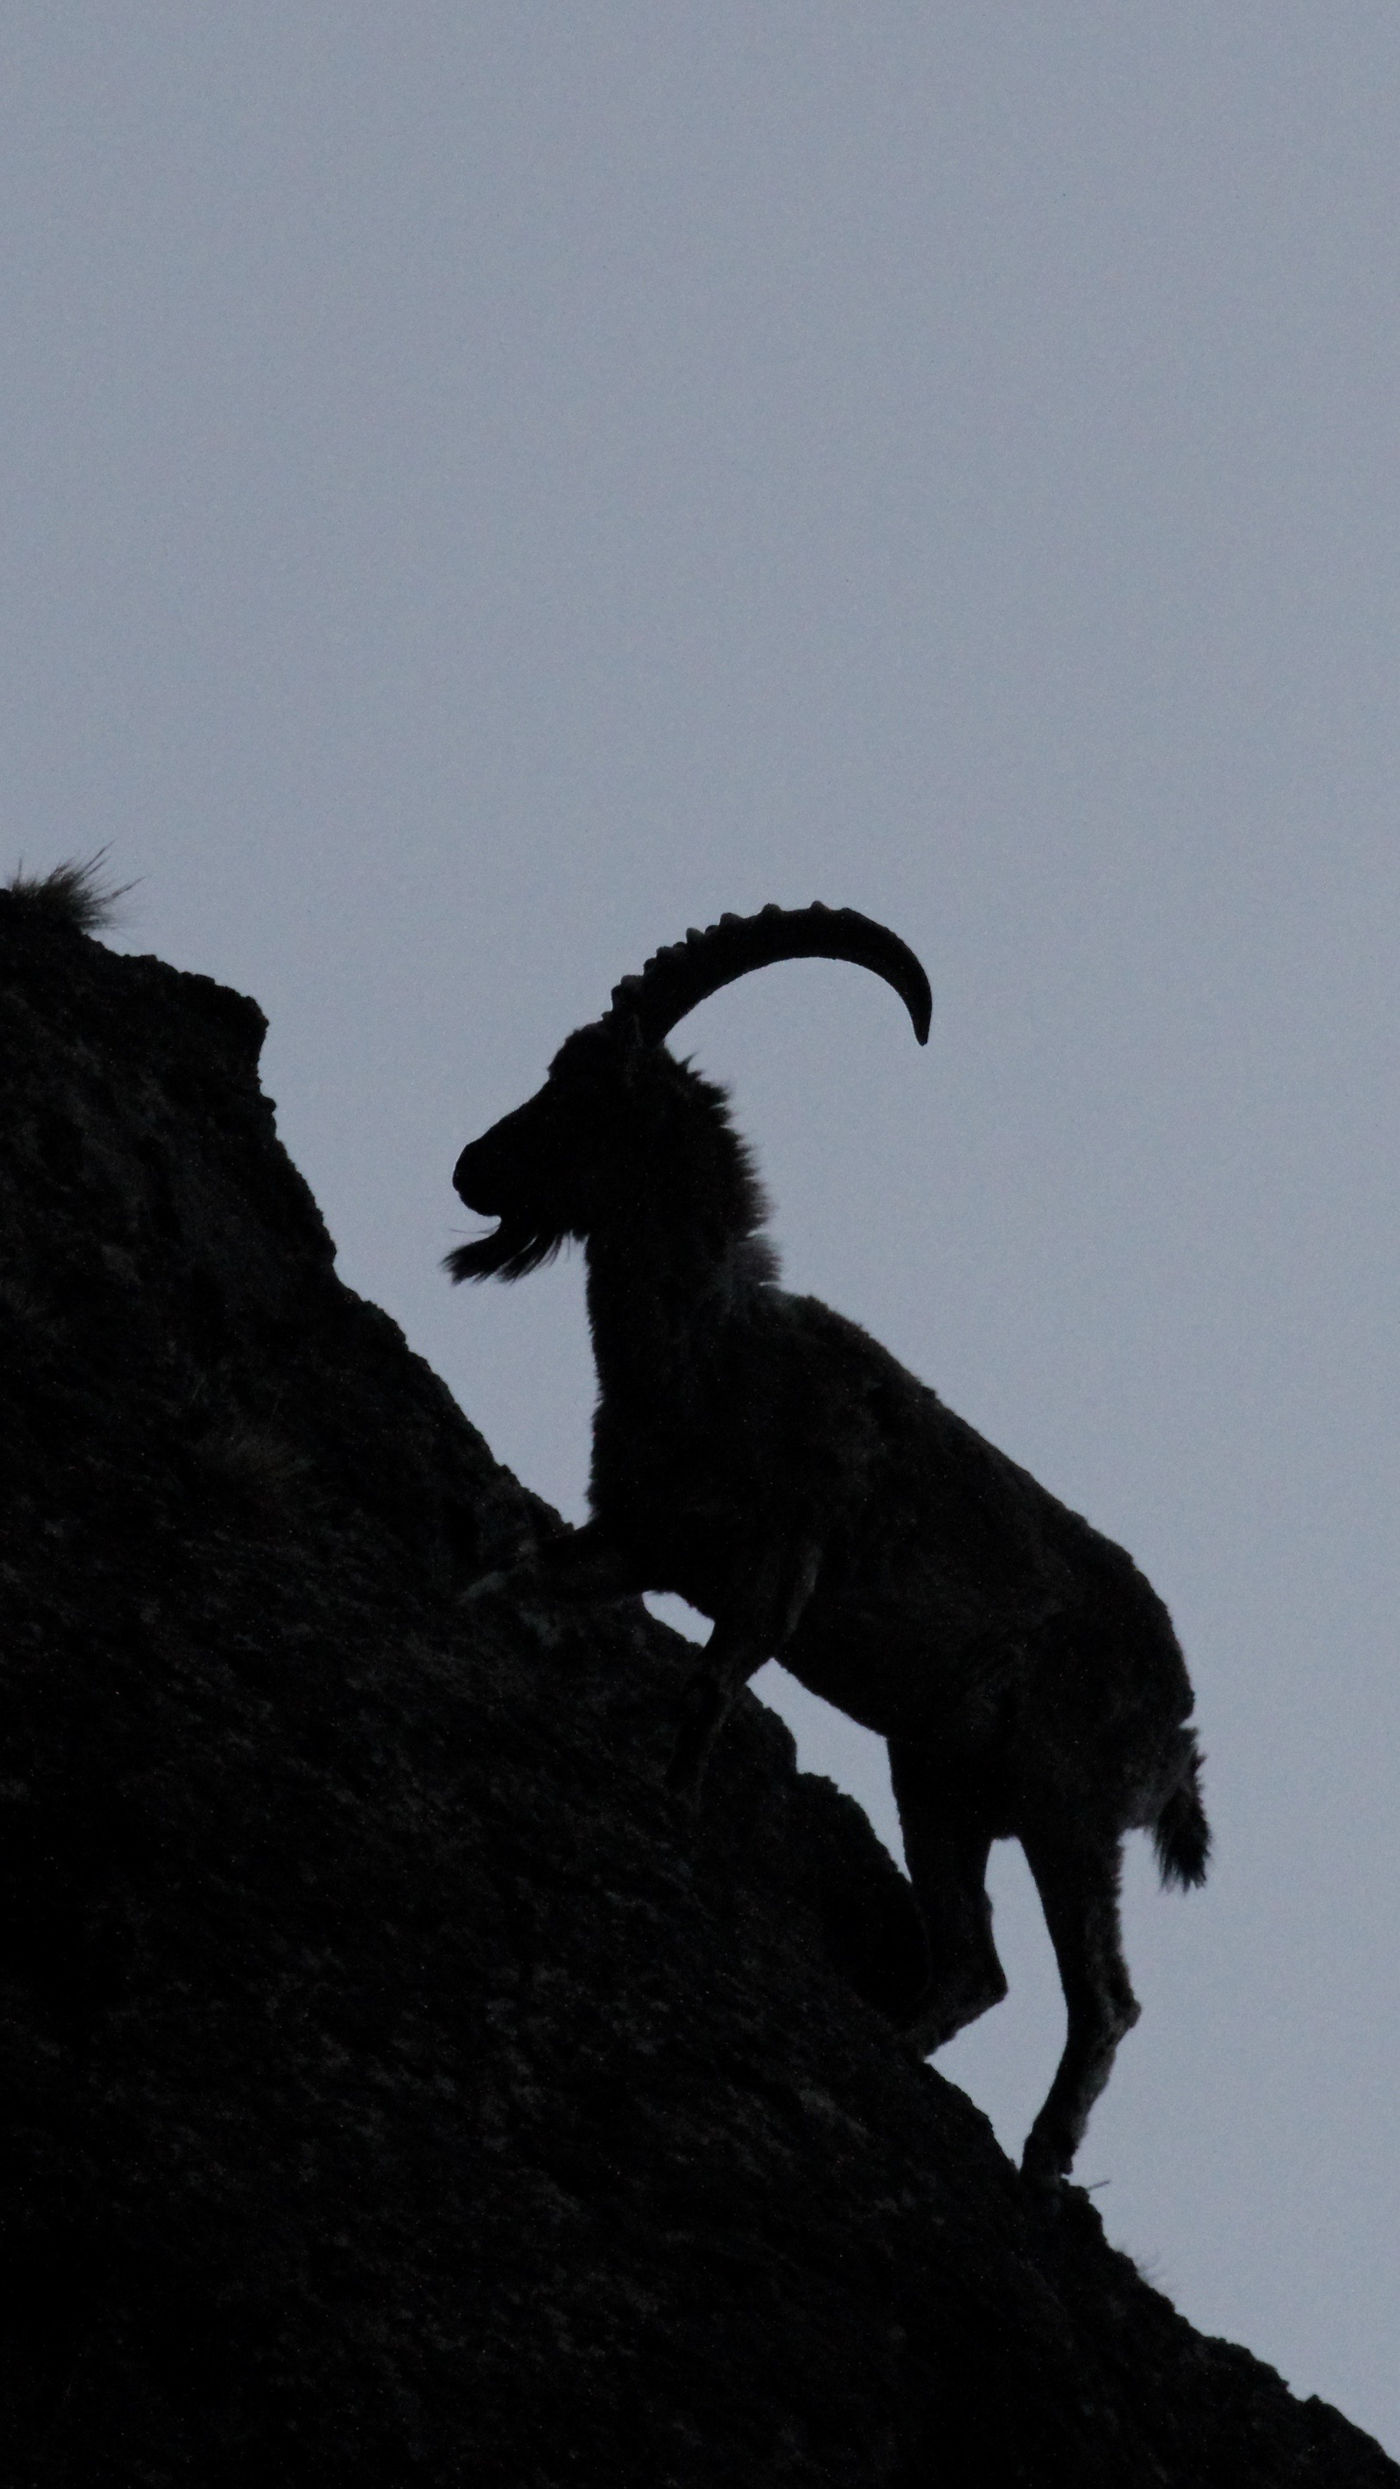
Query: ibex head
{"points": [[620, 1118]]}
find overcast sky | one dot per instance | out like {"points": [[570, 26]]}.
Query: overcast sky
{"points": [[488, 486]]}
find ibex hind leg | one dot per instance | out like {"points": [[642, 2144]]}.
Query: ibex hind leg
{"points": [[946, 1848], [1079, 1894]]}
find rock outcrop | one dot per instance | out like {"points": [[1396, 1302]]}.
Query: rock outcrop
{"points": [[401, 2088]]}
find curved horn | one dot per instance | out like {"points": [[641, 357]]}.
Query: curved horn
{"points": [[678, 978]]}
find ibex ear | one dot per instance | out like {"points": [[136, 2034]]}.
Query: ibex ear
{"points": [[625, 1022]]}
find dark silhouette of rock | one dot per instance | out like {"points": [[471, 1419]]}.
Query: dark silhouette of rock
{"points": [[401, 2087]]}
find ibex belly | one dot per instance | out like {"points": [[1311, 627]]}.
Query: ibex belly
{"points": [[908, 1674]]}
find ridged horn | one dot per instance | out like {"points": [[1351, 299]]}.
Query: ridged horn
{"points": [[676, 979]]}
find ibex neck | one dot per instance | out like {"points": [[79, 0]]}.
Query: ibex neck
{"points": [[656, 1307]]}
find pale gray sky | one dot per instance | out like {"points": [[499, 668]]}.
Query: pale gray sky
{"points": [[488, 486]]}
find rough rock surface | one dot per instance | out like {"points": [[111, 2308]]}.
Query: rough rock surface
{"points": [[400, 2088]]}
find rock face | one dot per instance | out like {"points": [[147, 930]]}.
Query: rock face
{"points": [[401, 2088]]}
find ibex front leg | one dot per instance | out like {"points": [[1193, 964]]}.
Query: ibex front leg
{"points": [[574, 1568], [753, 1625]]}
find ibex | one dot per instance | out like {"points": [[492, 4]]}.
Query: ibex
{"points": [[769, 1461]]}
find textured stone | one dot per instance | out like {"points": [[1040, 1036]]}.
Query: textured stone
{"points": [[401, 2087]]}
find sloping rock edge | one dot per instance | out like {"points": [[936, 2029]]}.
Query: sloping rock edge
{"points": [[400, 2088]]}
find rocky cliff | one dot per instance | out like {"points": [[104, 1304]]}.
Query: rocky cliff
{"points": [[401, 2088]]}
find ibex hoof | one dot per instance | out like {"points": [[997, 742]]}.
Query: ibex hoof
{"points": [[683, 1780], [1045, 2168], [487, 1586]]}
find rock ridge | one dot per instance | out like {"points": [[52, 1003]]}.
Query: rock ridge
{"points": [[401, 2089]]}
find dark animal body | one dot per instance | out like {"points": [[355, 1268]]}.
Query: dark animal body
{"points": [[769, 1461]]}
